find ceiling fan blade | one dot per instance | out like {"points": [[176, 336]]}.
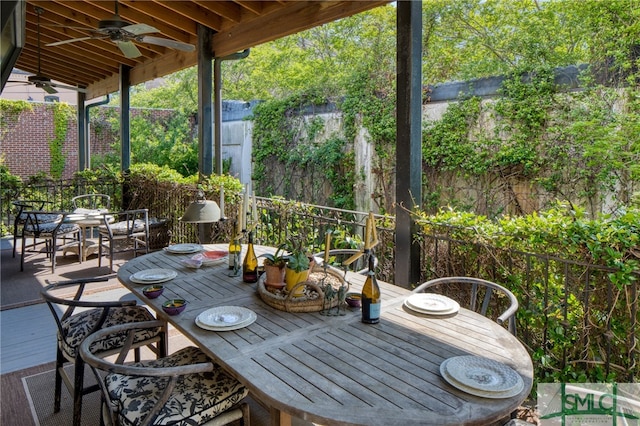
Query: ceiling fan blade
{"points": [[58, 43], [137, 29], [47, 88], [62, 86], [167, 43], [128, 49]]}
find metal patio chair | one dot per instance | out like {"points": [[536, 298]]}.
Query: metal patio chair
{"points": [[63, 299], [484, 297], [186, 387]]}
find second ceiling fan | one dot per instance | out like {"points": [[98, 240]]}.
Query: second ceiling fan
{"points": [[123, 34]]}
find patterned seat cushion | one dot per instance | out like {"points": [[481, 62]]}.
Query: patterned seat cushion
{"points": [[78, 326], [49, 227], [42, 218], [196, 399], [124, 228]]}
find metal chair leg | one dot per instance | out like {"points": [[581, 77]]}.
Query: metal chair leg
{"points": [[58, 382], [78, 390]]}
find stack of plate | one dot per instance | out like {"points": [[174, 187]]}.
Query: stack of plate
{"points": [[184, 248], [481, 377], [153, 276], [212, 257], [432, 304], [225, 318]]}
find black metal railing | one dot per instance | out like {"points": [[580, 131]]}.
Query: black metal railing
{"points": [[576, 318]]}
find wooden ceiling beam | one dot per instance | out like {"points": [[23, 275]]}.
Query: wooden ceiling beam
{"points": [[88, 65], [192, 11], [228, 10], [161, 66], [167, 14], [254, 6], [62, 73], [296, 17]]}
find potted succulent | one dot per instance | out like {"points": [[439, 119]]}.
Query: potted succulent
{"points": [[274, 267], [297, 268]]}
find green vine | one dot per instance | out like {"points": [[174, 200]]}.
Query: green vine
{"points": [[370, 103], [10, 112], [62, 113], [293, 158]]}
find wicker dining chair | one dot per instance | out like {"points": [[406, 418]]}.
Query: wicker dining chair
{"points": [[92, 202], [482, 296], [20, 217], [123, 231], [185, 388], [73, 328], [48, 229]]}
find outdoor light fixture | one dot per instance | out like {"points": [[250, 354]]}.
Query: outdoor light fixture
{"points": [[201, 211]]}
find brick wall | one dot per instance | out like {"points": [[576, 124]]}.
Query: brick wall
{"points": [[25, 138]]}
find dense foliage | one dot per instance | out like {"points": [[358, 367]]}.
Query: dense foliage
{"points": [[556, 145]]}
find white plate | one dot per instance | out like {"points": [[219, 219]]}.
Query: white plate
{"points": [[482, 373], [225, 318], [479, 392], [211, 258], [151, 276], [184, 248], [453, 308], [430, 302]]}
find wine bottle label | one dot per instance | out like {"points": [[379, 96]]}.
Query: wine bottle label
{"points": [[370, 311]]}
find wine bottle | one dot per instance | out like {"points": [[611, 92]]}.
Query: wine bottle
{"points": [[250, 263], [370, 296], [234, 253]]}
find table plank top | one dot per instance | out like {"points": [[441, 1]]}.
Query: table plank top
{"points": [[336, 370]]}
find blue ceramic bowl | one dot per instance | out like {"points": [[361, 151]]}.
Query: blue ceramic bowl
{"points": [[174, 306]]}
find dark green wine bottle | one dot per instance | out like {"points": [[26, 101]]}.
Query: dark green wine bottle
{"points": [[370, 296]]}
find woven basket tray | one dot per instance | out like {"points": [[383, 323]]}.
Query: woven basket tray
{"points": [[313, 299]]}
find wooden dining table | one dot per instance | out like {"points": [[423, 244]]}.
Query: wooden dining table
{"points": [[336, 370]]}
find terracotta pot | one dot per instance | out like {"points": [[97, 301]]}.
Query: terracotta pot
{"points": [[274, 275], [291, 278]]}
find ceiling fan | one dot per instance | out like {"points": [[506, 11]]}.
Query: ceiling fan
{"points": [[41, 81], [123, 34]]}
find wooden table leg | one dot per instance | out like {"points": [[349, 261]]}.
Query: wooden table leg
{"points": [[280, 418]]}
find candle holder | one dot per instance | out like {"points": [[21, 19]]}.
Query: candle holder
{"points": [[234, 256]]}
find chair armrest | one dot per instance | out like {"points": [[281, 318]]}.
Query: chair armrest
{"points": [[130, 370], [30, 204], [75, 301]]}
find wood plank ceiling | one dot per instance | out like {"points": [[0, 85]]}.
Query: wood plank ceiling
{"points": [[94, 63]]}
